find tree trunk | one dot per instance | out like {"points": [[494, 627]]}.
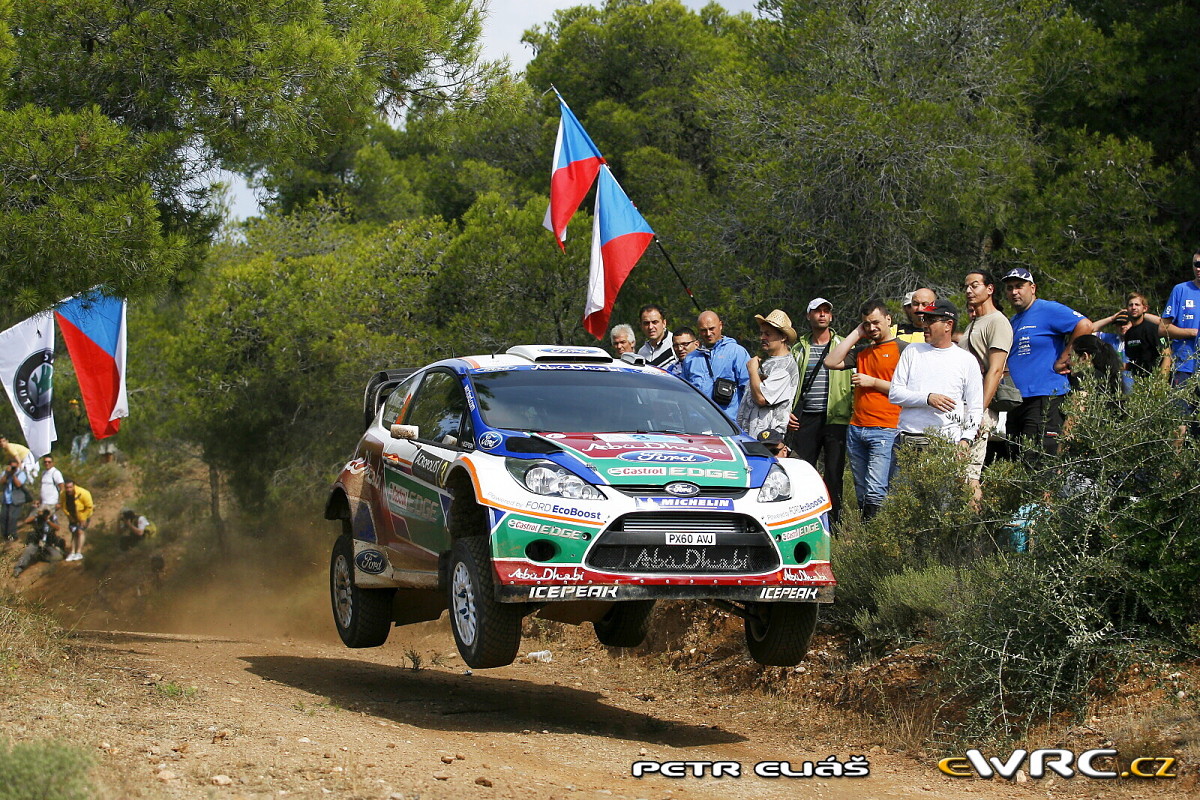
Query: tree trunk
{"points": [[214, 493]]}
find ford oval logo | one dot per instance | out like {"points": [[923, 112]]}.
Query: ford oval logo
{"points": [[370, 561], [489, 440], [664, 457], [682, 489]]}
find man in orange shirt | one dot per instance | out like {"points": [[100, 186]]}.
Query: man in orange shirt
{"points": [[873, 353]]}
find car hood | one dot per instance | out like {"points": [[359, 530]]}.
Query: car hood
{"points": [[625, 459]]}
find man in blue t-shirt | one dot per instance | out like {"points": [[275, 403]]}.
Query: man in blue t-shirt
{"points": [[718, 368], [1044, 333], [1180, 324]]}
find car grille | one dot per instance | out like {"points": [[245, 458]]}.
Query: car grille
{"points": [[650, 490], [636, 543]]}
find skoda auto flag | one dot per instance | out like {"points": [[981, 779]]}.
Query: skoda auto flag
{"points": [[27, 369], [576, 161], [93, 328], [619, 237]]}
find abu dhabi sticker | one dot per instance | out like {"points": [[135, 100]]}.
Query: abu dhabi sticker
{"points": [[490, 440], [32, 384]]}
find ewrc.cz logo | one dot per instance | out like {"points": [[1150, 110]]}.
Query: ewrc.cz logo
{"points": [[1063, 763]]}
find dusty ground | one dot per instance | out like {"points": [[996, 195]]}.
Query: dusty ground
{"points": [[224, 683]]}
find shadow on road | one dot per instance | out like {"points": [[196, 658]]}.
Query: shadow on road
{"points": [[451, 702]]}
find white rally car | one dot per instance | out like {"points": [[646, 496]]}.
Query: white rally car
{"points": [[561, 481]]}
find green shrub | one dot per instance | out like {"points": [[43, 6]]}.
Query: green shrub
{"points": [[43, 770], [910, 604], [1108, 580]]}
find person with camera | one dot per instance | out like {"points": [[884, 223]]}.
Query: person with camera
{"points": [[76, 503], [718, 368], [12, 483], [1139, 340], [874, 353], [134, 528], [43, 542]]}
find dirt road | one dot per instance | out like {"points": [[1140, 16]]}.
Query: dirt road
{"points": [[175, 715]]}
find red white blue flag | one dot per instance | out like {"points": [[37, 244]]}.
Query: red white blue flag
{"points": [[93, 328], [620, 234], [576, 162]]}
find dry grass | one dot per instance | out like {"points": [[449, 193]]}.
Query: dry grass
{"points": [[28, 639]]}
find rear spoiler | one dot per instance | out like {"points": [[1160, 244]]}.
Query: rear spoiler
{"points": [[378, 388]]}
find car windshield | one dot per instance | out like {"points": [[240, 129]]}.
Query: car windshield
{"points": [[553, 398]]}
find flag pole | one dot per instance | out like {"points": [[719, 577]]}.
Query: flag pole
{"points": [[682, 283]]}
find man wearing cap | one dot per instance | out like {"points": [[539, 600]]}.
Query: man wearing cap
{"points": [[873, 425], [773, 377], [821, 408], [912, 326], [1044, 334], [718, 368], [936, 384], [657, 347]]}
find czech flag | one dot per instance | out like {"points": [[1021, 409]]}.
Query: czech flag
{"points": [[619, 237], [93, 328], [576, 162]]}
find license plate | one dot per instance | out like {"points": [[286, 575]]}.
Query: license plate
{"points": [[691, 538]]}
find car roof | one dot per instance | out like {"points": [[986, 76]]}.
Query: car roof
{"points": [[528, 355]]}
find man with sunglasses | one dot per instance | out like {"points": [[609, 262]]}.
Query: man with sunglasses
{"points": [[683, 343], [938, 386]]}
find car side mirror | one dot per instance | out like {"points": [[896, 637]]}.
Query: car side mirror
{"points": [[405, 431]]}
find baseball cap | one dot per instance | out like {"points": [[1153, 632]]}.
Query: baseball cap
{"points": [[908, 298], [817, 302], [940, 308], [770, 436], [1018, 274]]}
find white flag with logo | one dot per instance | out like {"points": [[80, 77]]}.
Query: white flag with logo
{"points": [[27, 369]]}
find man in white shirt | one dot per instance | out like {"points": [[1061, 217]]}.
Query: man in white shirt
{"points": [[51, 483], [936, 384]]}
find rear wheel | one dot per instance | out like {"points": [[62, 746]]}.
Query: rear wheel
{"points": [[363, 616], [626, 624], [778, 634], [486, 631]]}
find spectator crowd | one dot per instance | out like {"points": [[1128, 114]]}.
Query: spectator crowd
{"points": [[890, 384], [51, 510]]}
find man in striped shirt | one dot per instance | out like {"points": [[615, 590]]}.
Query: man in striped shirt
{"points": [[657, 348]]}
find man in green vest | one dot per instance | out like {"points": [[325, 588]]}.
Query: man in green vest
{"points": [[824, 400]]}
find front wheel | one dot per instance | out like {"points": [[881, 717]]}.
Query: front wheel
{"points": [[363, 616], [778, 634], [486, 631]]}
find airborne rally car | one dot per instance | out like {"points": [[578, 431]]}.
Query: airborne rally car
{"points": [[560, 481]]}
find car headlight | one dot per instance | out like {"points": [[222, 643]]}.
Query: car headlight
{"points": [[777, 486], [547, 478]]}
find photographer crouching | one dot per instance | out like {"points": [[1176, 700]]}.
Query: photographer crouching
{"points": [[43, 542]]}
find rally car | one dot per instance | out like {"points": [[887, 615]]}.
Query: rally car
{"points": [[564, 482]]}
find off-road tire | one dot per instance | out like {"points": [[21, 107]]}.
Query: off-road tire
{"points": [[626, 624], [363, 616], [486, 631], [780, 635]]}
